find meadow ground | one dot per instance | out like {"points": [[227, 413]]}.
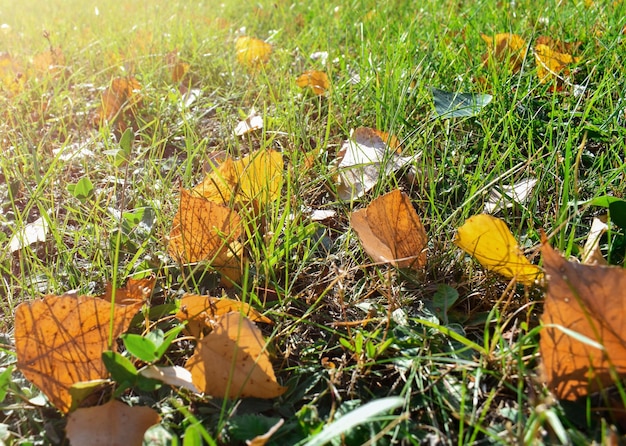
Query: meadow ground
{"points": [[456, 342]]}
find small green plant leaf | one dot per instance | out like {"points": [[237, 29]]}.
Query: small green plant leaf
{"points": [[168, 339], [81, 190], [443, 299], [140, 346], [455, 105], [603, 201], [5, 380], [617, 211], [121, 369]]}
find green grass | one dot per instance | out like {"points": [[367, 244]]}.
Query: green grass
{"points": [[466, 376]]}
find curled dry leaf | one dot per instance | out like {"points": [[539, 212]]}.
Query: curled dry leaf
{"points": [[261, 440], [391, 231], [232, 361], [506, 196], [316, 80], [252, 52], [364, 158], [206, 231], [112, 424], [489, 240], [135, 291], [591, 254], [505, 48], [252, 122], [201, 312], [583, 339], [59, 341]]}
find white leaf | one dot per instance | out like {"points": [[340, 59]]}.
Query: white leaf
{"points": [[31, 233], [506, 196], [174, 376], [591, 254], [251, 123]]}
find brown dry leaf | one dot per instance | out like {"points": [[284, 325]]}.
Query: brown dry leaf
{"points": [[391, 140], [252, 52], [391, 231], [583, 339], [316, 80], [207, 231], [256, 178], [201, 311], [59, 341], [112, 424], [120, 101], [135, 291], [232, 361], [489, 240], [552, 64], [505, 48]]}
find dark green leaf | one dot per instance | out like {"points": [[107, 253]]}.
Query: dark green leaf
{"points": [[617, 211], [140, 346], [121, 369]]}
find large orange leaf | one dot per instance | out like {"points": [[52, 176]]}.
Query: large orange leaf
{"points": [[391, 231], [206, 231], [252, 52], [120, 101], [583, 336], [112, 424], [232, 361], [201, 311], [489, 240], [59, 341]]}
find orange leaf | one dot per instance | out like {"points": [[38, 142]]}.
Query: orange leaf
{"points": [[113, 424], [583, 339], [232, 361], [206, 231], [135, 291], [59, 341], [252, 52], [391, 231], [200, 311], [551, 63], [51, 61], [317, 80], [505, 48], [121, 98]]}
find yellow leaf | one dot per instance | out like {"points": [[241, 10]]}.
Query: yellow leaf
{"points": [[317, 80], [59, 341], [232, 361], [551, 63], [489, 240], [505, 48], [256, 178], [113, 423], [201, 312], [391, 231], [583, 338], [252, 52]]}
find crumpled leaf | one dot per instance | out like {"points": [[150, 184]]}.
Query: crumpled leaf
{"points": [[505, 48], [33, 232], [252, 122], [59, 341], [316, 80], [489, 240], [391, 231], [205, 231], [201, 312], [232, 361], [455, 105], [507, 195], [252, 52], [365, 157], [583, 335], [112, 424]]}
